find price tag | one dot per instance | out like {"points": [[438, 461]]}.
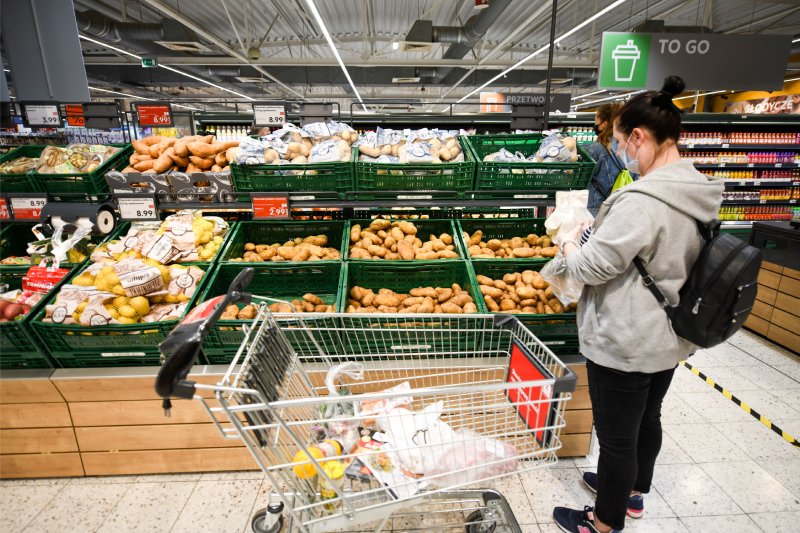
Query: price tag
{"points": [[268, 115], [690, 145], [157, 115], [756, 183], [762, 201], [778, 165], [726, 145], [5, 212], [75, 115], [792, 201], [750, 165], [272, 206], [27, 208], [139, 208], [42, 115], [722, 165]]}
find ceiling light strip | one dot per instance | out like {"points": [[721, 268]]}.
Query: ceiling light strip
{"points": [[313, 9], [617, 97], [588, 94], [141, 97], [698, 95], [540, 50]]}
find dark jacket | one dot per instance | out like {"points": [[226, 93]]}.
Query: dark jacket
{"points": [[609, 165]]}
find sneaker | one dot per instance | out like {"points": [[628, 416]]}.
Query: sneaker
{"points": [[635, 503], [574, 521]]}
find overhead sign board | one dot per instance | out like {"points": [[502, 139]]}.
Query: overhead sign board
{"points": [[501, 102], [705, 61], [155, 115]]}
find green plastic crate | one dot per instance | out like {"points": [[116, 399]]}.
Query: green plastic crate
{"points": [[14, 239], [19, 347], [279, 232], [88, 183], [455, 178], [308, 177], [425, 228], [20, 182], [559, 332], [75, 346], [497, 176], [501, 228], [273, 280]]}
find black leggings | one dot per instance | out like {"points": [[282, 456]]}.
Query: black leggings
{"points": [[627, 417]]}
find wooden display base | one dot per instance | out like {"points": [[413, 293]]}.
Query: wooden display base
{"points": [[102, 422], [776, 312]]}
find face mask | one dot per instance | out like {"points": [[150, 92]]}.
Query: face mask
{"points": [[597, 129], [631, 164]]}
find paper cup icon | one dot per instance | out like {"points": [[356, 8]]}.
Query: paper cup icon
{"points": [[625, 57]]}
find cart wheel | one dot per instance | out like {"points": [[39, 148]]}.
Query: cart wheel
{"points": [[477, 524], [259, 523]]}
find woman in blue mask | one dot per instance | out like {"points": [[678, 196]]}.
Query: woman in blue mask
{"points": [[603, 151]]}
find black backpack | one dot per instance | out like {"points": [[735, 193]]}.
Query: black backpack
{"points": [[719, 293]]}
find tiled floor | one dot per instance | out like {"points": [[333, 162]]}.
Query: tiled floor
{"points": [[720, 470]]}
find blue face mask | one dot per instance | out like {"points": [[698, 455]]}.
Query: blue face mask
{"points": [[631, 164]]}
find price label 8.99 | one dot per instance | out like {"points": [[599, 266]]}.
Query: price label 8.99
{"points": [[140, 208], [27, 208], [268, 115]]}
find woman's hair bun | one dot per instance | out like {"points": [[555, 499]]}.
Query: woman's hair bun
{"points": [[673, 86]]}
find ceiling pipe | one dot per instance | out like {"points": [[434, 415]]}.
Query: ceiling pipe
{"points": [[141, 34]]}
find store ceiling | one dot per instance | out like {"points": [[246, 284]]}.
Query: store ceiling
{"points": [[294, 59]]}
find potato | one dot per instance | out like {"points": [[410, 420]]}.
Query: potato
{"points": [[447, 239], [476, 238], [494, 244], [475, 250], [405, 249], [490, 303], [200, 149], [526, 292], [444, 295], [379, 224], [470, 308], [528, 277], [407, 228], [509, 279], [389, 300], [140, 147], [377, 251], [426, 256], [507, 304], [493, 292], [449, 307], [355, 233], [426, 292], [201, 162], [426, 306], [485, 280], [143, 166], [359, 253], [523, 252], [447, 254]]}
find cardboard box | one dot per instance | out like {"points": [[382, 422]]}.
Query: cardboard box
{"points": [[138, 183], [206, 187]]}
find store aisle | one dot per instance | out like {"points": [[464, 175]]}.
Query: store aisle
{"points": [[719, 470]]}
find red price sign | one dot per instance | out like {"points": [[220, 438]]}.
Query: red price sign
{"points": [[75, 115], [27, 208], [5, 212], [272, 206], [158, 115]]}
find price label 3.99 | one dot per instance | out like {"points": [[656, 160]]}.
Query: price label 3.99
{"points": [[27, 208], [274, 206], [137, 208]]}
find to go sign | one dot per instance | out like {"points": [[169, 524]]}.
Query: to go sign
{"points": [[692, 46]]}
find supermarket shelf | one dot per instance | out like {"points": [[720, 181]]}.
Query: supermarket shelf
{"points": [[768, 182], [748, 166], [736, 223], [726, 146], [759, 202]]}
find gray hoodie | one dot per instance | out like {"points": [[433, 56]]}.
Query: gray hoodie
{"points": [[620, 323]]}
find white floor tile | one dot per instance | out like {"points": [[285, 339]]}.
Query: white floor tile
{"points": [[787, 471], [790, 426], [776, 522], [689, 491], [78, 508], [149, 507], [19, 504], [220, 506], [790, 396], [515, 489], [685, 381], [35, 482], [102, 480], [704, 443], [729, 355], [727, 524], [714, 407], [771, 354], [162, 478], [757, 441], [676, 411], [729, 379], [747, 338], [671, 453], [792, 370], [655, 506], [549, 488], [769, 405], [767, 378], [530, 528], [654, 525], [232, 476], [738, 481]]}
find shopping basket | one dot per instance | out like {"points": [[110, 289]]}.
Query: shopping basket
{"points": [[435, 403]]}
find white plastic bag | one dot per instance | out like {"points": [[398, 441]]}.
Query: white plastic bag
{"points": [[565, 287], [570, 211]]}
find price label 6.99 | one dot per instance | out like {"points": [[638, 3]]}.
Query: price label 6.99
{"points": [[27, 208], [274, 206], [140, 208]]}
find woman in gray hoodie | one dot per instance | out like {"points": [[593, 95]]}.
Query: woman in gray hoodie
{"points": [[625, 335]]}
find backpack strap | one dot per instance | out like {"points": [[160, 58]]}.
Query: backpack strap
{"points": [[650, 283]]}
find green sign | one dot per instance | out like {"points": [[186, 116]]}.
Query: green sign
{"points": [[149, 62], [624, 59]]}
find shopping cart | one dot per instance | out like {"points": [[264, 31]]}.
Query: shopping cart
{"points": [[422, 408]]}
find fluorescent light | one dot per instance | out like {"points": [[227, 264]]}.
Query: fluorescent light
{"points": [[796, 41], [589, 94], [313, 8], [699, 95], [540, 50], [395, 45], [167, 67], [793, 79], [617, 97], [6, 70], [140, 97]]}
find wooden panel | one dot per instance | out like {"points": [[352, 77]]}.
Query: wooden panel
{"points": [[152, 437], [158, 461], [136, 412], [575, 445], [34, 415], [762, 310], [51, 440], [40, 465], [580, 372], [25, 390], [578, 421], [787, 303], [786, 320], [109, 389], [770, 279], [790, 286], [774, 267], [792, 273], [784, 337], [757, 324], [766, 295], [580, 399]]}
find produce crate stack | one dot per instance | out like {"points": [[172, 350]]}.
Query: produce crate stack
{"points": [[78, 170], [16, 167], [19, 346]]}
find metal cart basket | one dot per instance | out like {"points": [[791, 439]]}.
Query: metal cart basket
{"points": [[425, 407]]}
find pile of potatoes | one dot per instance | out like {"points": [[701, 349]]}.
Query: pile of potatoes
{"points": [[437, 300], [312, 248], [521, 292], [441, 151], [311, 303], [384, 239], [531, 246], [197, 153]]}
